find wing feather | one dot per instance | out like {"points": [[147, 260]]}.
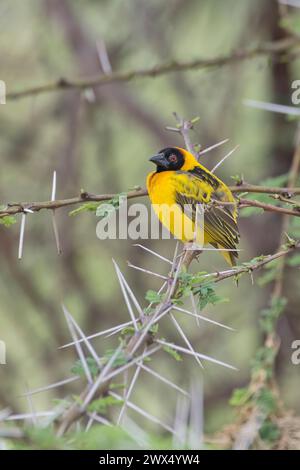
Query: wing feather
{"points": [[219, 222]]}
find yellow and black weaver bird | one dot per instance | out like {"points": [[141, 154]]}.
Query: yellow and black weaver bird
{"points": [[181, 181]]}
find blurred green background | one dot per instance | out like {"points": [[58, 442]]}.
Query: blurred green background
{"points": [[103, 145]]}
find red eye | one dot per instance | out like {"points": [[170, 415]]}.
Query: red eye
{"points": [[172, 158]]}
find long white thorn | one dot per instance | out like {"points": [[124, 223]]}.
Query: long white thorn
{"points": [[201, 356], [101, 333], [164, 380], [146, 271], [99, 419], [129, 391], [273, 107], [101, 378], [103, 57], [54, 223], [53, 192], [125, 295], [131, 295], [136, 433], [55, 230], [186, 340], [121, 369], [51, 386], [224, 158], [31, 407], [201, 317], [144, 413], [4, 413], [90, 421], [86, 341], [29, 415], [153, 253], [77, 346], [194, 306], [181, 422], [21, 238], [145, 330], [212, 147]]}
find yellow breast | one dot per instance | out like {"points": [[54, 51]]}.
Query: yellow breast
{"points": [[162, 195]]}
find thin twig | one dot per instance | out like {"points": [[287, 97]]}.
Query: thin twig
{"points": [[32, 207], [274, 48]]}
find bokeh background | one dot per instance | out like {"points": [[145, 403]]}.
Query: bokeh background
{"points": [[100, 141]]}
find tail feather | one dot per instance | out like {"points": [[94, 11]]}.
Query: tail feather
{"points": [[230, 256]]}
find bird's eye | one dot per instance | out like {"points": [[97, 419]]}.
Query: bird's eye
{"points": [[172, 158]]}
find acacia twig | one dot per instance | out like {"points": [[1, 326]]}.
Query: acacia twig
{"points": [[21, 207]]}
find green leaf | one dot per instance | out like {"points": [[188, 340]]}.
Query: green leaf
{"points": [[87, 207], [253, 261], [266, 401], [153, 297], [114, 386], [8, 220], [264, 359], [120, 360], [101, 404], [173, 353], [128, 331], [238, 179], [77, 368], [240, 397], [107, 207], [103, 209], [43, 437], [207, 295], [154, 329], [269, 316], [187, 281], [269, 431]]}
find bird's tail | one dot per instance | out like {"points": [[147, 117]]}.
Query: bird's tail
{"points": [[230, 256]]}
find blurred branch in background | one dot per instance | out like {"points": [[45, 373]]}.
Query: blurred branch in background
{"points": [[277, 48], [263, 389]]}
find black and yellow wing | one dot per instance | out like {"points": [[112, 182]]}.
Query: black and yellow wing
{"points": [[200, 187]]}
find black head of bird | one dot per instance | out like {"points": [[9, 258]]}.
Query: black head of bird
{"points": [[168, 159]]}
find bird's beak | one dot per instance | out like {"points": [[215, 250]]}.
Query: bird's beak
{"points": [[159, 160]]}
